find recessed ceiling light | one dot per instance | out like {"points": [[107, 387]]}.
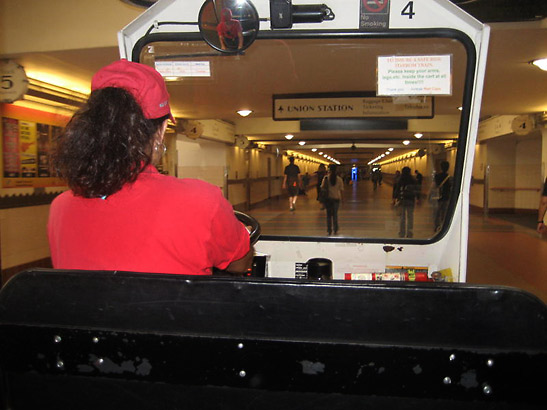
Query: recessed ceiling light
{"points": [[540, 63], [406, 142], [320, 153], [302, 143], [390, 149], [314, 149], [460, 108], [289, 136], [418, 135], [244, 113]]}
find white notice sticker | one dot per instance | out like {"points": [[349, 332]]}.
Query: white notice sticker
{"points": [[183, 68], [415, 75]]}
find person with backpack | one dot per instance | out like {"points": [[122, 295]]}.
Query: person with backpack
{"points": [[332, 186], [419, 180], [442, 185], [395, 193], [292, 182], [407, 192]]}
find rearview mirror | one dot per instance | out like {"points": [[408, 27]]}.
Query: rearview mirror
{"points": [[228, 26]]}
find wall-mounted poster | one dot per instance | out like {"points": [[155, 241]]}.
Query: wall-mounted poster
{"points": [[10, 148], [27, 148], [43, 145]]}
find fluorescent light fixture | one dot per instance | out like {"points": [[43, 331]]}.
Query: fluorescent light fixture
{"points": [[244, 113], [418, 135], [302, 143], [406, 142], [50, 80], [540, 63], [289, 136]]}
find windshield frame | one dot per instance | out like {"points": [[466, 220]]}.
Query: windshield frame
{"points": [[465, 114]]}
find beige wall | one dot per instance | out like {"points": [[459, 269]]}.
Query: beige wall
{"points": [[515, 172], [528, 172], [476, 193], [46, 25], [236, 159], [422, 164], [253, 164], [501, 159], [201, 159], [23, 235]]}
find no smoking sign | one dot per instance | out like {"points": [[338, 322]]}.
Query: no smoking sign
{"points": [[375, 6], [374, 15]]}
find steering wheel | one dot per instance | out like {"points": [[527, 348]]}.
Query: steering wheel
{"points": [[248, 220]]}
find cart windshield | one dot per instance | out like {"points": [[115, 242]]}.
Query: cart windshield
{"points": [[372, 105]]}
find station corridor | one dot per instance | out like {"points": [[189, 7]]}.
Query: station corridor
{"points": [[503, 249]]}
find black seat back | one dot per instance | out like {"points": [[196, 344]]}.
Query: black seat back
{"points": [[84, 339]]}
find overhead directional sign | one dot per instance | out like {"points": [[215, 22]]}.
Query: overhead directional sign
{"points": [[349, 105]]}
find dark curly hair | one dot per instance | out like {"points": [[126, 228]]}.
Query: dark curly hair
{"points": [[106, 144]]}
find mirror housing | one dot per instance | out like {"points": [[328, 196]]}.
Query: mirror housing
{"points": [[283, 14], [229, 27]]}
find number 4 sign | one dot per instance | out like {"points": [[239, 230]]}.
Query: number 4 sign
{"points": [[13, 81], [408, 10], [413, 14]]}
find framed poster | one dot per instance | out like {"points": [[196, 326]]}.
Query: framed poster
{"points": [[27, 144]]}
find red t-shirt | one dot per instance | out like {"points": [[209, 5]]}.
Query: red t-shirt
{"points": [[157, 224], [229, 29]]}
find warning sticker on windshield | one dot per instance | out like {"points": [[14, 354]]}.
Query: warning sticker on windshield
{"points": [[415, 75], [374, 15]]}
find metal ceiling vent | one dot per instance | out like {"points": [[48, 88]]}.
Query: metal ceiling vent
{"points": [[140, 3]]}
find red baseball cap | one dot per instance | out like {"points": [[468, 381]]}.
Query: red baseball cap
{"points": [[144, 83]]}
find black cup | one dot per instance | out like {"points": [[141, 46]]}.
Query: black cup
{"points": [[319, 269]]}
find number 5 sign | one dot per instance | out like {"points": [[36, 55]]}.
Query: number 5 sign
{"points": [[13, 81]]}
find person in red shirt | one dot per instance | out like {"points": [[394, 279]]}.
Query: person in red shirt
{"points": [[229, 31], [120, 212]]}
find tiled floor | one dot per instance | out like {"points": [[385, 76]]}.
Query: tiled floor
{"points": [[503, 249], [507, 253]]}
